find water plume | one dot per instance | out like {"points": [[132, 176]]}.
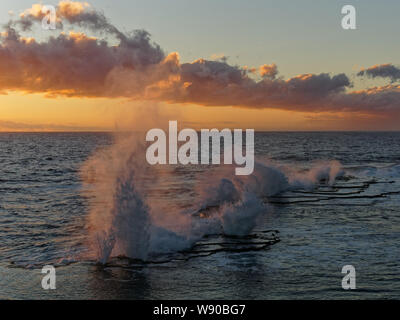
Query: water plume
{"points": [[135, 210]]}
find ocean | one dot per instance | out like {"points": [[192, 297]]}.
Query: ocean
{"points": [[116, 229]]}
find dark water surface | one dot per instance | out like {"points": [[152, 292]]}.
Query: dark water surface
{"points": [[356, 221]]}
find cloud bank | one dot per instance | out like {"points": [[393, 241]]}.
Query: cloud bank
{"points": [[116, 64], [20, 126]]}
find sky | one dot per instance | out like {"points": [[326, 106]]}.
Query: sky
{"points": [[204, 68]]}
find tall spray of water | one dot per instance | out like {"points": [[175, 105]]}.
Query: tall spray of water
{"points": [[136, 210], [119, 218]]}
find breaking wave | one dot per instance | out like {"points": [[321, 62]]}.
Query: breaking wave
{"points": [[135, 209]]}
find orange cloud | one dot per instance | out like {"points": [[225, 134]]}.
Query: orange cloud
{"points": [[71, 8], [269, 70], [138, 69]]}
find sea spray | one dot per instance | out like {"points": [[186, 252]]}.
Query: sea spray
{"points": [[241, 200], [135, 212], [119, 219], [240, 218], [321, 171], [131, 221]]}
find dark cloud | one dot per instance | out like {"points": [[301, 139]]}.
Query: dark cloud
{"points": [[382, 71], [136, 68]]}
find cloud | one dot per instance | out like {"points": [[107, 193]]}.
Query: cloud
{"points": [[74, 64], [115, 64], [219, 56], [269, 70], [19, 126], [384, 71]]}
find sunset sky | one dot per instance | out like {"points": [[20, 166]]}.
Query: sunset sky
{"points": [[267, 65]]}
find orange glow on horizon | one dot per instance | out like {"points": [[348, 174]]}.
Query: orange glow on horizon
{"points": [[34, 112]]}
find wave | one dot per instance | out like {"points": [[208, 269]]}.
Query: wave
{"points": [[128, 218]]}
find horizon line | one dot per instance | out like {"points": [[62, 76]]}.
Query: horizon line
{"points": [[259, 131]]}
